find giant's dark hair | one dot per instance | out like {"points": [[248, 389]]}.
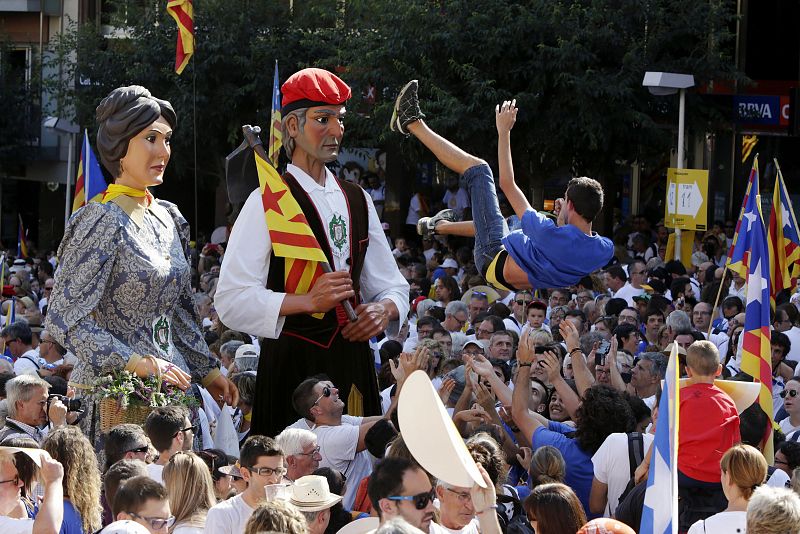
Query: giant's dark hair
{"points": [[121, 115]]}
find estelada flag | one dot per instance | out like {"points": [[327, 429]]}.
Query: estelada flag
{"points": [[783, 240], [738, 255], [291, 236], [90, 185], [22, 242], [183, 13]]}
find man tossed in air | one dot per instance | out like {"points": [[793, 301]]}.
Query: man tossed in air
{"points": [[543, 253]]}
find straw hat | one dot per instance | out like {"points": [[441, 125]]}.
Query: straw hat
{"points": [[311, 494]]}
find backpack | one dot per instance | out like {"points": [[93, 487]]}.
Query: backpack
{"points": [[509, 508], [635, 458]]}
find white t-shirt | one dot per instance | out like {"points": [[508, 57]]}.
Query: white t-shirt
{"points": [[470, 528], [794, 338], [346, 420], [786, 426], [612, 466], [627, 292], [10, 525], [25, 364], [156, 472], [457, 201], [228, 516], [721, 523], [779, 479], [187, 529], [337, 446], [414, 208]]}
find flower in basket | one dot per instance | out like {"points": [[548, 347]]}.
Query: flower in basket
{"points": [[131, 390]]}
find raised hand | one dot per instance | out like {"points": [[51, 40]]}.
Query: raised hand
{"points": [[505, 116]]}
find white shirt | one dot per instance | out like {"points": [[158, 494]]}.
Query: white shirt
{"points": [[337, 446], [779, 479], [346, 420], [470, 528], [721, 523], [414, 210], [457, 201], [228, 517], [786, 426], [627, 292], [612, 466], [242, 298], [187, 529], [10, 525], [156, 472], [794, 338], [25, 364]]}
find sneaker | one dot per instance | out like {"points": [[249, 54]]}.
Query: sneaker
{"points": [[406, 108], [426, 226]]}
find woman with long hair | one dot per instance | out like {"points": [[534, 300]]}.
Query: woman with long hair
{"points": [[191, 492], [554, 509], [743, 470], [81, 482], [547, 466]]}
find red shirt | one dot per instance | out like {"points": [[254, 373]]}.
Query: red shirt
{"points": [[709, 426]]}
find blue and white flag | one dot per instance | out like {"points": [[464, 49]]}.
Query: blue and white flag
{"points": [[660, 512]]}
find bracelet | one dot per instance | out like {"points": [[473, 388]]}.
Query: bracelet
{"points": [[524, 365], [577, 349], [492, 507]]}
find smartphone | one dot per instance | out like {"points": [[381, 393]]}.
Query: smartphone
{"points": [[541, 349], [599, 359], [604, 347]]}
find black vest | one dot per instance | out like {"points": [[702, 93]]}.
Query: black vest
{"points": [[305, 327]]}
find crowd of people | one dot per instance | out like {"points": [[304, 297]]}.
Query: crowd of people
{"points": [[554, 391]]}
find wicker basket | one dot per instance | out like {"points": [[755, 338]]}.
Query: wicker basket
{"points": [[112, 413]]}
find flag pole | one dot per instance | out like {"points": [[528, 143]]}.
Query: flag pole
{"points": [[252, 138], [719, 293]]}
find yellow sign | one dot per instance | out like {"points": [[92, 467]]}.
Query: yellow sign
{"points": [[687, 199]]}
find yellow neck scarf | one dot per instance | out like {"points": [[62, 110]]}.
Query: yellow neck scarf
{"points": [[115, 190]]}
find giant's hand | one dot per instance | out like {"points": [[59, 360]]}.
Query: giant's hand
{"points": [[170, 373], [329, 290], [222, 389], [373, 318]]}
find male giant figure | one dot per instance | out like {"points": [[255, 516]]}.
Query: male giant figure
{"points": [[250, 295]]}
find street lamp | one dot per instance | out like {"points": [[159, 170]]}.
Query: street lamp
{"points": [[63, 126], [669, 83]]}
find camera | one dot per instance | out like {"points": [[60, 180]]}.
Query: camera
{"points": [[73, 405]]}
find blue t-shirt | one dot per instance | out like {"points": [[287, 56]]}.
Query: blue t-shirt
{"points": [[556, 256], [72, 523], [580, 470]]}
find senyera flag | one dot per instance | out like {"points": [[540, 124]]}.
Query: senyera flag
{"points": [[291, 236], [90, 185], [275, 134], [183, 13]]}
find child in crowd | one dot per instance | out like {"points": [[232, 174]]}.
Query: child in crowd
{"points": [[543, 253], [709, 419]]}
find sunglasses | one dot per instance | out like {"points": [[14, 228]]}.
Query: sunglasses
{"points": [[326, 392], [157, 523], [791, 392], [420, 500], [522, 302], [193, 428], [140, 450]]}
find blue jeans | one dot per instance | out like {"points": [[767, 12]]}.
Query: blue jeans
{"points": [[490, 226]]}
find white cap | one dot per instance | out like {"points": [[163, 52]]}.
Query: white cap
{"points": [[247, 351], [449, 263]]}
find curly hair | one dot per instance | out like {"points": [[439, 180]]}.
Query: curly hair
{"points": [[484, 450], [602, 412], [81, 473]]}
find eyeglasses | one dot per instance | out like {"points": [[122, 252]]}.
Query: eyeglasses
{"points": [[142, 449], [523, 302], [157, 523], [791, 392], [193, 428], [420, 500], [479, 293], [463, 496], [483, 331], [268, 471], [326, 392], [475, 352], [14, 480], [312, 453]]}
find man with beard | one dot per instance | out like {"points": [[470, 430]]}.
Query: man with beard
{"points": [[308, 334]]}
